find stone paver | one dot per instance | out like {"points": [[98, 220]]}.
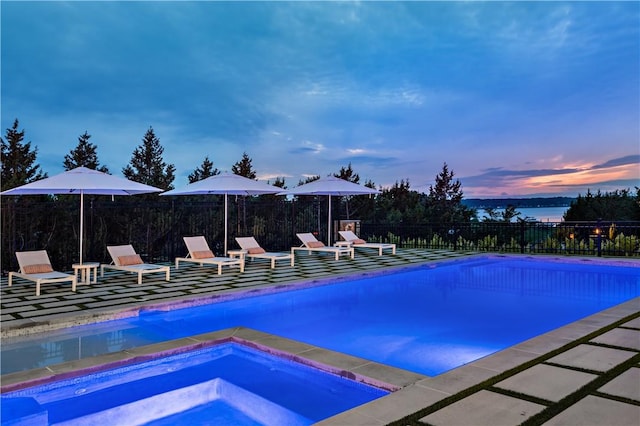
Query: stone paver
{"points": [[546, 382], [594, 410], [620, 337], [595, 358], [59, 310], [626, 385], [458, 379], [393, 406], [485, 408], [635, 323]]}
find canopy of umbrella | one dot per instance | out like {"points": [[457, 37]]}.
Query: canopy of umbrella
{"points": [[330, 186], [82, 180], [225, 184]]}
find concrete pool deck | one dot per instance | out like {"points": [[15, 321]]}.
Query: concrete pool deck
{"points": [[587, 372]]}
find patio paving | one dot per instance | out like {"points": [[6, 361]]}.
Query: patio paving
{"points": [[582, 374]]}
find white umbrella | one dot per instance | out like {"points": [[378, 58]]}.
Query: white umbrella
{"points": [[82, 180], [330, 185], [225, 184]]}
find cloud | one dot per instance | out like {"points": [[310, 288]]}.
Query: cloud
{"points": [[535, 88], [622, 161]]}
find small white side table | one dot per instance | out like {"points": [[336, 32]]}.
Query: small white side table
{"points": [[236, 253], [342, 244], [85, 271]]}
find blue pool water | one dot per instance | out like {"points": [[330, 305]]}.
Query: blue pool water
{"points": [[226, 384], [427, 320]]}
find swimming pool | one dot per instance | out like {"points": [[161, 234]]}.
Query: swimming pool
{"points": [[427, 320], [224, 384]]}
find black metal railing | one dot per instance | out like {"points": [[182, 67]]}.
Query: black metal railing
{"points": [[155, 227]]}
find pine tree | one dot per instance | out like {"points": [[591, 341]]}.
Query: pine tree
{"points": [[204, 171], [348, 174], [147, 166], [18, 160], [400, 204], [84, 155], [444, 201], [279, 182], [244, 167]]}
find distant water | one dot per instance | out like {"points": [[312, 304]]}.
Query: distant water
{"points": [[542, 214]]}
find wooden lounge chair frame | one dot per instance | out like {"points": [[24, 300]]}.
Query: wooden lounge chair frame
{"points": [[199, 243], [39, 257], [308, 238], [141, 268], [352, 238], [248, 243]]}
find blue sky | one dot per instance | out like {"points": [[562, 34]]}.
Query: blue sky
{"points": [[518, 98]]}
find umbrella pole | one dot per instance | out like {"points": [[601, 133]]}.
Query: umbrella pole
{"points": [[81, 222], [329, 224], [225, 223]]}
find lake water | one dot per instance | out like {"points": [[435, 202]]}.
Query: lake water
{"points": [[542, 214]]}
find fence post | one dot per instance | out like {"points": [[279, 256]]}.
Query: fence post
{"points": [[522, 242], [599, 237]]}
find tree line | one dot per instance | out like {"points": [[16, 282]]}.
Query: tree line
{"points": [[397, 205]]}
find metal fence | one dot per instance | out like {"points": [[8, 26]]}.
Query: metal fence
{"points": [[155, 227]]}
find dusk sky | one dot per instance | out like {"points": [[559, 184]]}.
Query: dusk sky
{"points": [[518, 98]]}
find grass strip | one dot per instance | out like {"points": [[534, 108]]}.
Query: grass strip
{"points": [[588, 389]]}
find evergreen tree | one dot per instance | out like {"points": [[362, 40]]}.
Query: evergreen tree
{"points": [[18, 160], [204, 171], [348, 174], [507, 215], [444, 201], [84, 155], [400, 204], [308, 179], [279, 182], [244, 167], [147, 166], [619, 205]]}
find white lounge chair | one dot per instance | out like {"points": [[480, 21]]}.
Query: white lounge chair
{"points": [[199, 252], [36, 266], [360, 243], [125, 258], [310, 243], [252, 250]]}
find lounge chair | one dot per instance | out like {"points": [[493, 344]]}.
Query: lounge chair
{"points": [[252, 250], [36, 266], [125, 258], [199, 252], [360, 243], [310, 243]]}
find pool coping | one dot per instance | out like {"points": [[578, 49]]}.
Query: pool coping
{"points": [[411, 392]]}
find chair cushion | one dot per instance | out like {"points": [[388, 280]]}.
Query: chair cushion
{"points": [[203, 254], [358, 241], [37, 269], [131, 259], [315, 244], [256, 250]]}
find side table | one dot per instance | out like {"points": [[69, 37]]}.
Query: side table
{"points": [[85, 270], [342, 244], [236, 253]]}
